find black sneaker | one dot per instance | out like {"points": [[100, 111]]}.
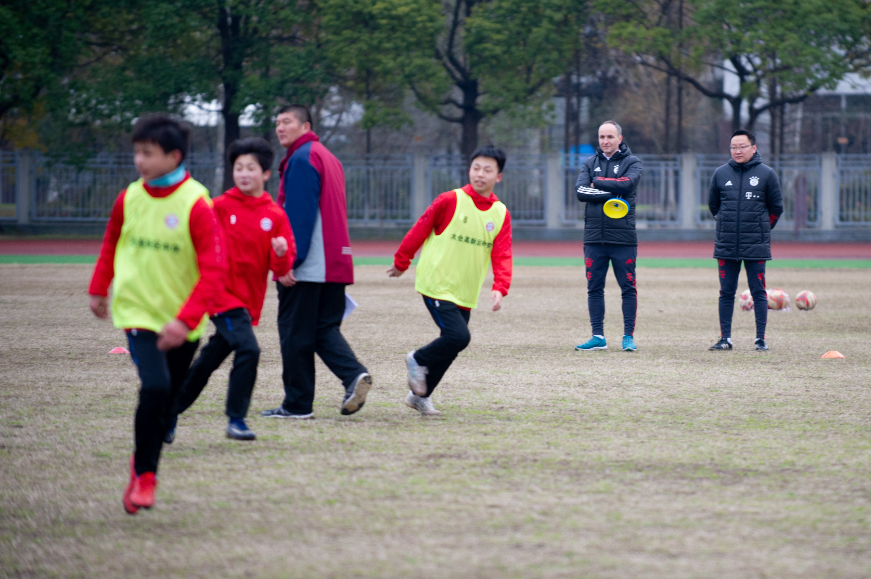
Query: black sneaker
{"points": [[761, 345], [169, 437], [723, 344], [355, 397], [238, 430], [280, 412]]}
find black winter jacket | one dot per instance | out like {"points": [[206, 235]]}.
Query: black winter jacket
{"points": [[614, 177], [745, 199]]}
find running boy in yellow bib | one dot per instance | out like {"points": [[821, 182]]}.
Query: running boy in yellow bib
{"points": [[462, 233], [163, 255]]}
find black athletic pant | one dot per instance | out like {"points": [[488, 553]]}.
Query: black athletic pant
{"points": [[622, 258], [439, 354], [309, 320], [162, 375], [729, 270], [233, 333]]}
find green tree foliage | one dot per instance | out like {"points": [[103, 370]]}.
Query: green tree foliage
{"points": [[374, 45], [494, 55], [781, 52]]}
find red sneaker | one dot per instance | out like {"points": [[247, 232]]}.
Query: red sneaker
{"points": [[128, 505], [142, 495]]}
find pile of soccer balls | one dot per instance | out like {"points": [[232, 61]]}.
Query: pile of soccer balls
{"points": [[779, 300]]}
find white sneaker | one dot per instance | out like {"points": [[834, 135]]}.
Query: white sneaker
{"points": [[416, 374], [422, 405]]}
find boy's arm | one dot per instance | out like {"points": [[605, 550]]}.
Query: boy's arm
{"points": [[501, 259], [281, 265], [436, 218], [302, 189], [211, 260], [105, 268]]}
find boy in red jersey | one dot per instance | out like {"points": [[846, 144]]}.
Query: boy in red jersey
{"points": [[163, 249], [259, 239], [462, 232]]}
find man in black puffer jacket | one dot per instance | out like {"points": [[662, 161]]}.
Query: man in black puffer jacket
{"points": [[613, 172], [746, 202]]}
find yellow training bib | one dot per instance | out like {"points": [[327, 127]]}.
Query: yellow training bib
{"points": [[453, 265], [155, 259]]}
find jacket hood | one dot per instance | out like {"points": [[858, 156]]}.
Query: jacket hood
{"points": [[622, 151], [754, 160], [236, 195]]}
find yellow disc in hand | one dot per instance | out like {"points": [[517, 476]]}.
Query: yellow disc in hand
{"points": [[616, 208]]}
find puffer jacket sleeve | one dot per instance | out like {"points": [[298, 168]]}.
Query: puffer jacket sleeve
{"points": [[773, 199], [625, 185]]}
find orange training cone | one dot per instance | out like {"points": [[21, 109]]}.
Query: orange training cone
{"points": [[833, 354], [120, 350]]}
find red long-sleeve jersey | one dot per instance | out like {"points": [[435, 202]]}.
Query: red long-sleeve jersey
{"points": [[249, 224], [437, 217], [207, 242]]}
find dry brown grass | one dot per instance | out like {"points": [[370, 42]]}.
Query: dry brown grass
{"points": [[672, 462]]}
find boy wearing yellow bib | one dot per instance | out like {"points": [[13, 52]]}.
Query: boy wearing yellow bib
{"points": [[463, 232], [163, 250]]}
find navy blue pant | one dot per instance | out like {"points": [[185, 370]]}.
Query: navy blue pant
{"points": [[438, 355], [309, 320], [233, 332], [729, 270], [622, 258], [162, 375]]}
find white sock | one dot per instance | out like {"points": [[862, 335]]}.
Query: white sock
{"points": [[598, 336]]}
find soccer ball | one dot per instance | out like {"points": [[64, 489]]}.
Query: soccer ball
{"points": [[745, 300], [805, 300], [777, 299]]}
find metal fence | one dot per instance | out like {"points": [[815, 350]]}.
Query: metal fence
{"points": [[854, 190], [381, 189], [378, 188], [800, 183], [8, 186], [656, 199]]}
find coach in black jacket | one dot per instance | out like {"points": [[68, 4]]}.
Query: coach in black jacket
{"points": [[613, 172], [746, 202]]}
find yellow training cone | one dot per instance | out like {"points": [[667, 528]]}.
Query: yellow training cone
{"points": [[833, 354], [616, 208]]}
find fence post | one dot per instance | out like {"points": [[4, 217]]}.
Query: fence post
{"points": [[689, 194], [828, 192], [419, 193], [23, 185], [554, 199]]}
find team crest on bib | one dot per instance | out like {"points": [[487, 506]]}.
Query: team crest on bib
{"points": [[491, 226], [266, 224], [754, 181], [171, 221]]}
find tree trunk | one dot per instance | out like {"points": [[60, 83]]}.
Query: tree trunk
{"points": [[736, 112], [667, 146], [231, 129], [567, 122], [471, 118]]}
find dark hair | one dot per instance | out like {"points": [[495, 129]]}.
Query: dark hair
{"points": [[256, 146], [301, 112], [616, 126], [490, 151], [746, 133], [168, 132]]}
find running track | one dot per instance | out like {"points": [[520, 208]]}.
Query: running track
{"points": [[649, 249]]}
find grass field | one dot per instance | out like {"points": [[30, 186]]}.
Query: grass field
{"points": [[672, 462]]}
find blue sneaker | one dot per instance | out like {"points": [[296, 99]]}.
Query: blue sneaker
{"points": [[628, 344], [594, 343], [169, 437], [238, 430]]}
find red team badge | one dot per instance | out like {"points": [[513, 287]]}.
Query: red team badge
{"points": [[589, 262]]}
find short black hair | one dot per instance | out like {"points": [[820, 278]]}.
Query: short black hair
{"points": [[170, 133], [301, 112], [490, 151], [746, 133], [256, 146]]}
